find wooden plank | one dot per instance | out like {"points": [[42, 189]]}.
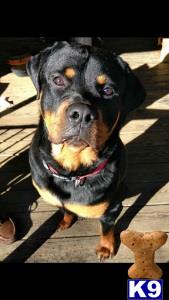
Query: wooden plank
{"points": [[156, 85], [16, 180], [69, 250], [153, 199], [155, 91], [77, 244], [150, 139], [155, 193], [155, 125], [9, 160], [9, 148], [140, 154], [124, 254], [156, 74], [152, 111], [23, 120], [149, 59], [148, 172], [16, 134], [16, 139], [147, 218], [21, 117], [17, 161], [26, 110]]}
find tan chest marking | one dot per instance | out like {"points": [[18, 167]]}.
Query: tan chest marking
{"points": [[47, 195], [87, 211], [71, 158]]}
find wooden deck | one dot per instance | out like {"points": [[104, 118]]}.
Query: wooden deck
{"points": [[146, 135]]}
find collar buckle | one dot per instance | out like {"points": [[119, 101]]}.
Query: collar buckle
{"points": [[79, 181]]}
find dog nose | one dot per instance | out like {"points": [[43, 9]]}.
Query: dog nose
{"points": [[81, 113]]}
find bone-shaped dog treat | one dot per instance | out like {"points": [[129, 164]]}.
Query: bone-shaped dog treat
{"points": [[144, 246]]}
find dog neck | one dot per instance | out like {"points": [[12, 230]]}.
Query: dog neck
{"points": [[78, 180]]}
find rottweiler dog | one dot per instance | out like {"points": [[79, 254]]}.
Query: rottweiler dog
{"points": [[77, 159]]}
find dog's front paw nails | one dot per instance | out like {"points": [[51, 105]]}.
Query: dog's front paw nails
{"points": [[104, 252]]}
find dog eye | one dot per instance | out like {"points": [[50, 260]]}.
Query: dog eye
{"points": [[59, 81], [108, 90]]}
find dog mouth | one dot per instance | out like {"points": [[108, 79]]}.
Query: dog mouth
{"points": [[75, 142]]}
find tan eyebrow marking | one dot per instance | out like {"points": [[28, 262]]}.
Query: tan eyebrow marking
{"points": [[70, 73], [101, 79]]}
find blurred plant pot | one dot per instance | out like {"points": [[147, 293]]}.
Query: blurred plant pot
{"points": [[18, 63]]}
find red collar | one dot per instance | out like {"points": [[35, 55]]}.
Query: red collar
{"points": [[79, 180]]}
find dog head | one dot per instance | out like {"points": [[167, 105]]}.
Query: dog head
{"points": [[84, 93]]}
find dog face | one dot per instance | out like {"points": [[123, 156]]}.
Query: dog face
{"points": [[84, 93]]}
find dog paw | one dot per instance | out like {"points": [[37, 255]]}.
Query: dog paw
{"points": [[67, 221], [104, 252], [63, 225]]}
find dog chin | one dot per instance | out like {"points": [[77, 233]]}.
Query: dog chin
{"points": [[74, 146], [71, 154]]}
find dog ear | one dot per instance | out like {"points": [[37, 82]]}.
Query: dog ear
{"points": [[34, 66], [36, 62], [134, 93]]}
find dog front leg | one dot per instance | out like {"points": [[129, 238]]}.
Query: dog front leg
{"points": [[107, 246]]}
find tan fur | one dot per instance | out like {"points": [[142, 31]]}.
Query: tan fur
{"points": [[72, 157], [88, 156], [106, 247], [100, 132], [101, 79], [69, 156], [70, 73], [55, 121], [88, 211], [67, 221], [47, 195], [107, 240]]}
